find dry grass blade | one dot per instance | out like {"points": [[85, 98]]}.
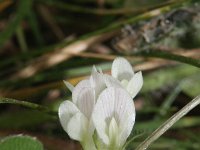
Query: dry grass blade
{"points": [[51, 59], [170, 122]]}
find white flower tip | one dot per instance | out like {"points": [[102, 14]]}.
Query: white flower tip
{"points": [[68, 85], [94, 69], [122, 69], [78, 88], [135, 84], [139, 77]]}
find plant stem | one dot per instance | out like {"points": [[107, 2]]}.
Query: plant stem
{"points": [[34, 106], [97, 11], [169, 56], [166, 125]]}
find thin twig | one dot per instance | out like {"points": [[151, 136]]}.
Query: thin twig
{"points": [[166, 125]]}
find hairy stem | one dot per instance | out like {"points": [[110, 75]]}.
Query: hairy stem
{"points": [[34, 106]]}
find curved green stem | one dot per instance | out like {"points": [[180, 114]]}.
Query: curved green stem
{"points": [[34, 106]]}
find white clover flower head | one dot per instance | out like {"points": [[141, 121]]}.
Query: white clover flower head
{"points": [[123, 76], [104, 104], [114, 117]]}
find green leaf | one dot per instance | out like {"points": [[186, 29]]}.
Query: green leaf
{"points": [[19, 142]]}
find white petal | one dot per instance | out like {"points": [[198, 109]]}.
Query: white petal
{"points": [[97, 81], [102, 114], [122, 69], [68, 85], [117, 103], [66, 110], [78, 88], [124, 114], [77, 127], [135, 84], [126, 128], [111, 82], [86, 101]]}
